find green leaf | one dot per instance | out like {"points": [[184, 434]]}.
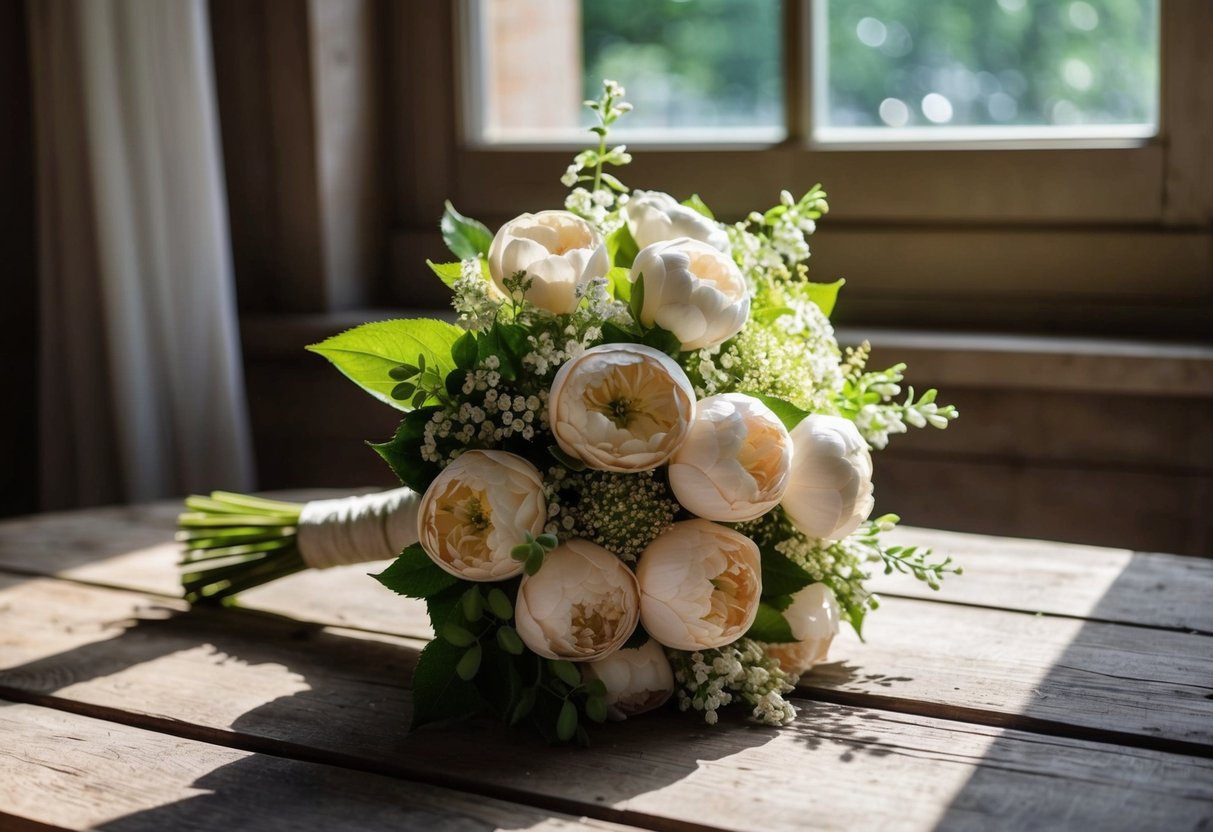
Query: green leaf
{"points": [[565, 459], [457, 635], [500, 605], [788, 413], [566, 672], [526, 703], [470, 663], [566, 723], [439, 695], [464, 352], [403, 451], [596, 687], [596, 708], [414, 575], [825, 295], [448, 273], [770, 626], [465, 237], [367, 354], [769, 314], [780, 576], [620, 284], [636, 301], [473, 604], [662, 340], [621, 247], [508, 640], [693, 201]]}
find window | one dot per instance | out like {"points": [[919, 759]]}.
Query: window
{"points": [[1044, 236]]}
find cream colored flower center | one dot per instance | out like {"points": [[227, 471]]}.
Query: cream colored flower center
{"points": [[464, 518], [634, 400], [761, 455], [708, 268], [595, 623], [732, 590]]}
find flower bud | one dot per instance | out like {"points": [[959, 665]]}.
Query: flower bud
{"points": [[699, 585], [655, 217], [830, 488], [734, 464], [693, 290], [637, 679], [476, 510], [559, 251], [582, 605], [814, 618], [621, 407]]}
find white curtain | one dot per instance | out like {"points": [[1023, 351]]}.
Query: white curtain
{"points": [[142, 389]]}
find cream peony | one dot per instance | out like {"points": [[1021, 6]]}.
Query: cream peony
{"points": [[654, 217], [637, 679], [734, 464], [830, 489], [699, 585], [814, 617], [693, 290], [582, 605], [559, 251], [621, 407], [478, 509]]}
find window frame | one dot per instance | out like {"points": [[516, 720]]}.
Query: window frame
{"points": [[1109, 239]]}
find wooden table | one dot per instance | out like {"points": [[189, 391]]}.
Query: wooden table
{"points": [[1052, 687]]}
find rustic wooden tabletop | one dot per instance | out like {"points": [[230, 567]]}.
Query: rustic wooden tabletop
{"points": [[1051, 687]]}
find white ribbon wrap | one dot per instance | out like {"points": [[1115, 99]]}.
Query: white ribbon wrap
{"points": [[358, 529]]}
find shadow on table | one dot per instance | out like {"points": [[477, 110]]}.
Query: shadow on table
{"points": [[1106, 762], [347, 709]]}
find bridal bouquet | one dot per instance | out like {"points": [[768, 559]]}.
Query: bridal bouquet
{"points": [[636, 467]]}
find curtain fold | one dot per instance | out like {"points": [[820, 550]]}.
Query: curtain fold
{"points": [[141, 382]]}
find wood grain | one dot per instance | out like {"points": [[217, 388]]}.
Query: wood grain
{"points": [[1120, 585], [121, 778], [243, 680]]}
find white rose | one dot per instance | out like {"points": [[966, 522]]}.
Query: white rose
{"points": [[621, 407], [582, 604], [693, 290], [479, 508], [734, 464], [654, 217], [559, 251], [699, 585], [813, 616], [637, 679], [830, 488]]}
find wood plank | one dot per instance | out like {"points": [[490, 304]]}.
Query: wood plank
{"points": [[328, 698], [1147, 686], [1120, 585], [1142, 686], [74, 772]]}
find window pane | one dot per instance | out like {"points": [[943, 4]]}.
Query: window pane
{"points": [[992, 68], [700, 70]]}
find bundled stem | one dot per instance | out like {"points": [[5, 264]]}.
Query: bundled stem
{"points": [[235, 542]]}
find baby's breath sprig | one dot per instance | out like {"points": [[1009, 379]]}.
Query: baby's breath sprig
{"points": [[710, 679], [867, 400], [606, 194]]}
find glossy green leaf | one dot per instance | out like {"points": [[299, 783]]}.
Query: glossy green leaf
{"points": [[465, 237], [368, 353]]}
